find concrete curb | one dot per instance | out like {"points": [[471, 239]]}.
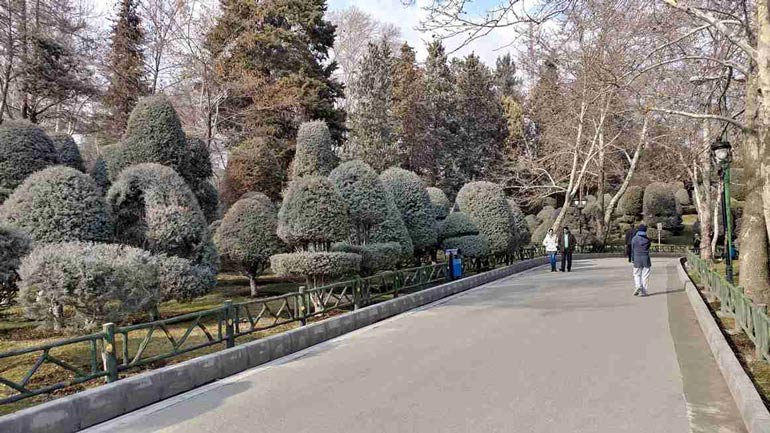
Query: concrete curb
{"points": [[754, 413], [85, 409]]}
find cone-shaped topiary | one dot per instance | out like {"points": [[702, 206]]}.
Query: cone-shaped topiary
{"points": [[393, 229], [486, 205], [58, 204], [660, 206], [69, 154], [314, 155], [313, 215], [14, 244], [631, 202], [440, 202], [413, 201], [247, 237], [364, 194], [24, 149], [254, 166]]}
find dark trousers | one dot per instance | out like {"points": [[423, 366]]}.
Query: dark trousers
{"points": [[566, 260]]}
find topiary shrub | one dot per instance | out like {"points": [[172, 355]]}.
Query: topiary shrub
{"points": [[80, 285], [365, 196], [14, 244], [314, 155], [375, 257], [199, 164], [100, 174], [660, 206], [24, 149], [69, 154], [182, 280], [532, 222], [486, 205], [546, 213], [393, 229], [413, 202], [315, 267], [682, 197], [208, 200], [519, 226], [542, 229], [469, 246], [247, 237], [4, 194], [440, 202], [631, 203], [255, 165], [154, 208], [58, 204], [457, 224]]}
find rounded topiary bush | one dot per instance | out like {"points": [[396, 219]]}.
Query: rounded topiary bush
{"points": [[660, 206], [375, 257], [631, 203], [469, 246], [393, 229], [100, 174], [546, 213], [208, 200], [14, 244], [246, 235], [199, 164], [315, 267], [154, 208], [363, 192], [519, 226], [486, 205], [182, 280], [313, 215], [69, 154], [314, 155], [532, 222], [58, 204], [255, 165], [682, 197], [440, 202], [81, 285], [413, 202], [458, 224], [24, 149]]}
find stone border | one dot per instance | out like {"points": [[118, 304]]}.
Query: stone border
{"points": [[754, 413], [96, 405]]}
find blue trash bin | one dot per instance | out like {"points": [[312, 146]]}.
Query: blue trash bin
{"points": [[455, 263]]}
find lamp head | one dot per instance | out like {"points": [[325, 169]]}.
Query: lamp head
{"points": [[723, 152]]}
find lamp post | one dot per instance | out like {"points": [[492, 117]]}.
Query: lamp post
{"points": [[723, 155], [580, 203]]}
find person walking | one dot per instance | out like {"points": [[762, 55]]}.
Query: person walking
{"points": [[566, 246], [640, 248], [629, 237], [551, 244]]}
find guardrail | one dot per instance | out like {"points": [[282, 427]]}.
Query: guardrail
{"points": [[750, 318], [118, 349]]}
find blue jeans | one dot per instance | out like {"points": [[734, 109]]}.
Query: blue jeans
{"points": [[552, 256]]}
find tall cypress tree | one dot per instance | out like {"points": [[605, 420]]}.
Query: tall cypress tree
{"points": [[273, 59], [409, 111], [126, 67], [372, 122]]}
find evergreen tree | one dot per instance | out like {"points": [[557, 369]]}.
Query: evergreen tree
{"points": [[126, 67], [409, 111], [505, 82], [546, 101], [273, 58], [371, 118], [440, 114]]}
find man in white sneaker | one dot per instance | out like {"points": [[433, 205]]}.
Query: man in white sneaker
{"points": [[640, 250]]}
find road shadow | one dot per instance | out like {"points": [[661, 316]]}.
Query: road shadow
{"points": [[666, 292]]}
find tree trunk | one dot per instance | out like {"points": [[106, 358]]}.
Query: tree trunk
{"points": [[717, 218], [701, 180], [253, 285], [57, 311]]}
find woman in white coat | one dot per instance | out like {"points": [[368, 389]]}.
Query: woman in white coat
{"points": [[551, 243]]}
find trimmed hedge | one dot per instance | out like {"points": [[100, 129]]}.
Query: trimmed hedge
{"points": [[486, 205], [100, 174], [519, 226], [208, 200], [358, 185], [631, 203], [469, 246], [393, 229], [199, 164], [440, 202], [314, 155], [546, 213], [457, 224], [375, 257], [532, 222], [255, 165], [413, 202], [58, 204], [24, 149], [14, 244], [182, 280], [660, 206], [315, 267], [69, 154], [682, 197], [313, 215]]}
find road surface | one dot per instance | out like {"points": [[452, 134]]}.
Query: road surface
{"points": [[536, 352]]}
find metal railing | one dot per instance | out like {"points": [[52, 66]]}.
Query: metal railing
{"points": [[749, 317]]}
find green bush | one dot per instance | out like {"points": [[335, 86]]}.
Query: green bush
{"points": [[314, 155], [100, 175], [4, 194], [182, 280], [69, 154], [363, 192], [315, 267], [532, 222], [81, 285], [542, 229], [24, 149], [413, 202], [58, 204], [393, 229], [682, 197], [199, 164], [255, 165], [469, 246], [486, 205], [660, 206], [208, 200], [547, 212], [440, 202], [247, 237], [457, 224], [631, 203], [375, 257], [14, 244], [519, 226]]}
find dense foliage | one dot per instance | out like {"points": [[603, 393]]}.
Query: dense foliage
{"points": [[413, 202], [660, 206], [632, 202], [486, 205], [14, 244], [315, 267], [24, 149], [393, 229], [440, 202], [375, 257], [255, 165], [69, 154], [314, 156], [365, 196]]}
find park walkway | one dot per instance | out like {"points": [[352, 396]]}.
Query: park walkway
{"points": [[536, 352]]}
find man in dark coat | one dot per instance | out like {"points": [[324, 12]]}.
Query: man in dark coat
{"points": [[567, 244], [640, 249], [629, 236]]}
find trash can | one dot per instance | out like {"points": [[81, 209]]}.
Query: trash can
{"points": [[455, 263]]}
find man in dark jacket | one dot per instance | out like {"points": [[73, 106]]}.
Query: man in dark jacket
{"points": [[630, 236], [640, 249], [566, 247]]}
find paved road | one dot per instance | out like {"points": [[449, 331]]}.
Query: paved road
{"points": [[536, 352]]}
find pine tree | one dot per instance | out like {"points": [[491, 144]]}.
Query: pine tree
{"points": [[505, 82], [372, 123], [126, 67], [272, 58], [409, 111], [441, 124]]}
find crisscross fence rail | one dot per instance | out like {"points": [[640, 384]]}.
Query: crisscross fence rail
{"points": [[750, 318]]}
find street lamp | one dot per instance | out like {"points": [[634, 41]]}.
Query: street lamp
{"points": [[723, 155], [580, 203]]}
